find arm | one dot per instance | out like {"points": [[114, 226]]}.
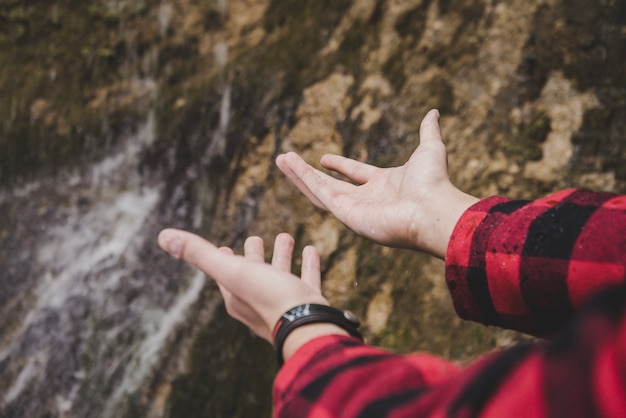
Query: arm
{"points": [[530, 265], [579, 373], [504, 267]]}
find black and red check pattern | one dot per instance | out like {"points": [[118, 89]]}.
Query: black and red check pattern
{"points": [[530, 265], [552, 266]]}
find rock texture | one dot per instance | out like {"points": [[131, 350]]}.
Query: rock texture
{"points": [[531, 94]]}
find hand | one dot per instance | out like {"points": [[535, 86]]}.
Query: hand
{"points": [[412, 206], [256, 293]]}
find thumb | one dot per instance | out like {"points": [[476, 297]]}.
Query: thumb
{"points": [[429, 128]]}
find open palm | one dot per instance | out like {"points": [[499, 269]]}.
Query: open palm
{"points": [[410, 206]]}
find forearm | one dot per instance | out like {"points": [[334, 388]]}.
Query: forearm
{"points": [[580, 373], [342, 376], [530, 265]]}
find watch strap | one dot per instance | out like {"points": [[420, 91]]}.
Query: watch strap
{"points": [[311, 313]]}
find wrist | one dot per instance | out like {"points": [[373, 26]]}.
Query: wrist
{"points": [[307, 314], [302, 335], [433, 230]]}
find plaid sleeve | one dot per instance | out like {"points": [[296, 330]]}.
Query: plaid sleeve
{"points": [[579, 373], [338, 376], [529, 265], [525, 265]]}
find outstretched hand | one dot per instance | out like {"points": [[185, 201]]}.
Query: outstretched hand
{"points": [[411, 206], [256, 293]]}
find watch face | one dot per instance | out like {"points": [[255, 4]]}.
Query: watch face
{"points": [[297, 312], [351, 317]]}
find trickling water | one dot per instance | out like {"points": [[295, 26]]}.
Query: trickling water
{"points": [[217, 146], [87, 319], [166, 11], [222, 6]]}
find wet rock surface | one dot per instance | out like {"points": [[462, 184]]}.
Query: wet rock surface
{"points": [[126, 116]]}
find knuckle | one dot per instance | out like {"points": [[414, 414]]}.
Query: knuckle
{"points": [[190, 252]]}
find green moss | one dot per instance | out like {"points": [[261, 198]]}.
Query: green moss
{"points": [[268, 81], [438, 94], [413, 22], [537, 130], [304, 29], [213, 16], [585, 41], [403, 327], [324, 13], [371, 274], [378, 13], [353, 49], [467, 39], [450, 57], [394, 69], [357, 42], [60, 55], [526, 139], [226, 361], [410, 26], [418, 322], [599, 143]]}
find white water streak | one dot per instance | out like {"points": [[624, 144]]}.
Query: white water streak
{"points": [[105, 237], [159, 328], [28, 373]]}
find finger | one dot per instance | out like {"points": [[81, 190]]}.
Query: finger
{"points": [[235, 273], [309, 180], [429, 128], [317, 186], [254, 250], [311, 270], [303, 171], [226, 250], [216, 263], [239, 275], [172, 241], [283, 252], [285, 162], [356, 171]]}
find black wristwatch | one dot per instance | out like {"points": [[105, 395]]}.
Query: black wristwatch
{"points": [[308, 314]]}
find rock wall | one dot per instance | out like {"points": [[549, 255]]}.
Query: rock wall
{"points": [[531, 94]]}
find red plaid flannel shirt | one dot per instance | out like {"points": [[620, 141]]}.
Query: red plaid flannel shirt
{"points": [[555, 267]]}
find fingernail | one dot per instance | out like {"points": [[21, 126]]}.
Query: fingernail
{"points": [[174, 246]]}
